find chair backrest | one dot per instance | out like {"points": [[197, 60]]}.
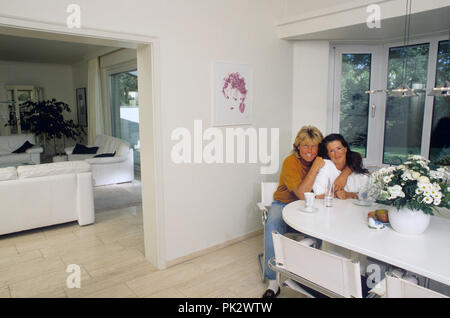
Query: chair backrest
{"points": [[334, 273], [400, 288], [267, 191]]}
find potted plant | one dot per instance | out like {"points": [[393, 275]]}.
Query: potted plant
{"points": [[413, 190], [45, 119]]}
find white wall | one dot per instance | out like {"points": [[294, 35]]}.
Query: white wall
{"points": [[310, 85], [204, 204], [55, 79], [79, 75]]}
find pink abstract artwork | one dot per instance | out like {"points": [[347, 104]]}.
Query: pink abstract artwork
{"points": [[231, 94]]}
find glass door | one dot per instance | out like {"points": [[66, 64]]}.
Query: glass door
{"points": [[404, 115], [124, 100], [386, 129], [354, 109]]}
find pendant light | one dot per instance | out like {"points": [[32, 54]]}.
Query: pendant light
{"points": [[404, 90], [444, 89]]}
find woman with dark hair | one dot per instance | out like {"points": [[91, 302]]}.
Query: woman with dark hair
{"points": [[337, 154]]}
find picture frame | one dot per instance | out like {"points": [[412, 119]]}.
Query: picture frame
{"points": [[81, 106], [232, 94]]}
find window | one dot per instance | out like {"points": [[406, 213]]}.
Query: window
{"points": [[125, 109], [404, 116], [355, 80], [386, 129], [440, 129]]}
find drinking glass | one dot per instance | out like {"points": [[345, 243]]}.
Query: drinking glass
{"points": [[329, 193], [309, 200]]}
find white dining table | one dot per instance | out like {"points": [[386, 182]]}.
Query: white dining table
{"points": [[345, 225]]}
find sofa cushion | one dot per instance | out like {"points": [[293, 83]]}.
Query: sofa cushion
{"points": [[9, 173], [105, 155], [26, 145], [51, 169], [110, 144], [4, 148], [15, 141], [15, 157], [83, 150]]}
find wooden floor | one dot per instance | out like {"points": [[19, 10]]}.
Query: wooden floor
{"points": [[111, 256]]}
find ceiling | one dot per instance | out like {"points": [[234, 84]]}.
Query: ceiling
{"points": [[34, 50], [423, 23]]}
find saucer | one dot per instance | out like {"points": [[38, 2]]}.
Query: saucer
{"points": [[312, 210], [362, 203]]}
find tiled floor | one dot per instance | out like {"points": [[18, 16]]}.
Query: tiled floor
{"points": [[111, 256]]}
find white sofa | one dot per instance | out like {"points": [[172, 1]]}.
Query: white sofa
{"points": [[41, 195], [10, 143], [109, 170]]}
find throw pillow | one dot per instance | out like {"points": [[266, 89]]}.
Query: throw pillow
{"points": [[83, 150], [26, 145], [103, 155]]}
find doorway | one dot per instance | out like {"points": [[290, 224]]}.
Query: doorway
{"points": [[147, 49]]}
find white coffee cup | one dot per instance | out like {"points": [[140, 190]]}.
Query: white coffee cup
{"points": [[309, 200]]}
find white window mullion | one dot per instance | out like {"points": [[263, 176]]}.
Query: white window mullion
{"points": [[429, 100]]}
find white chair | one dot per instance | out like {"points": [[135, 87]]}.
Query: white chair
{"points": [[400, 288], [329, 274], [267, 191]]}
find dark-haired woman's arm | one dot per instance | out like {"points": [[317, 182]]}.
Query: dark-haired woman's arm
{"points": [[341, 181], [343, 195], [307, 183]]}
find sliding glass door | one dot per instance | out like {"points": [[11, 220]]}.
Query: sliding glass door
{"points": [[387, 129], [124, 101]]}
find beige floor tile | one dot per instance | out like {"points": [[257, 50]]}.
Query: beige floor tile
{"points": [[135, 239], [8, 251], [4, 292], [44, 242], [56, 230], [127, 265], [50, 284], [30, 270], [109, 279], [21, 237], [161, 280], [120, 232], [14, 260], [95, 253], [217, 281], [75, 247], [107, 260]]}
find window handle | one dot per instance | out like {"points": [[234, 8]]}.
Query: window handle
{"points": [[373, 108]]}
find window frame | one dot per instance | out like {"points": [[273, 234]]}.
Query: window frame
{"points": [[379, 71]]}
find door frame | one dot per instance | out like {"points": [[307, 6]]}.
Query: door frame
{"points": [[148, 62]]}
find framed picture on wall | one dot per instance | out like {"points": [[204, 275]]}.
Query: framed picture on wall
{"points": [[81, 106], [232, 94]]}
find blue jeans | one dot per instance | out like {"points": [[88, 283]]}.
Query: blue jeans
{"points": [[275, 222]]}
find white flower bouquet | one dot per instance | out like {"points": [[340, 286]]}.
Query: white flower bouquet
{"points": [[416, 184]]}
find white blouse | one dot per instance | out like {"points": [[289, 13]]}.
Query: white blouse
{"points": [[355, 182]]}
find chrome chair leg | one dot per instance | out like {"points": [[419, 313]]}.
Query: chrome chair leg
{"points": [[261, 266]]}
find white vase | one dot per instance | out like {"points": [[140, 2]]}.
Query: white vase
{"points": [[408, 221]]}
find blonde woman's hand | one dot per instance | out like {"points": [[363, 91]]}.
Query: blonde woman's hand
{"points": [[318, 163]]}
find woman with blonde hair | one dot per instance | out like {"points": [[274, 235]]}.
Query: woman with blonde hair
{"points": [[297, 176]]}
